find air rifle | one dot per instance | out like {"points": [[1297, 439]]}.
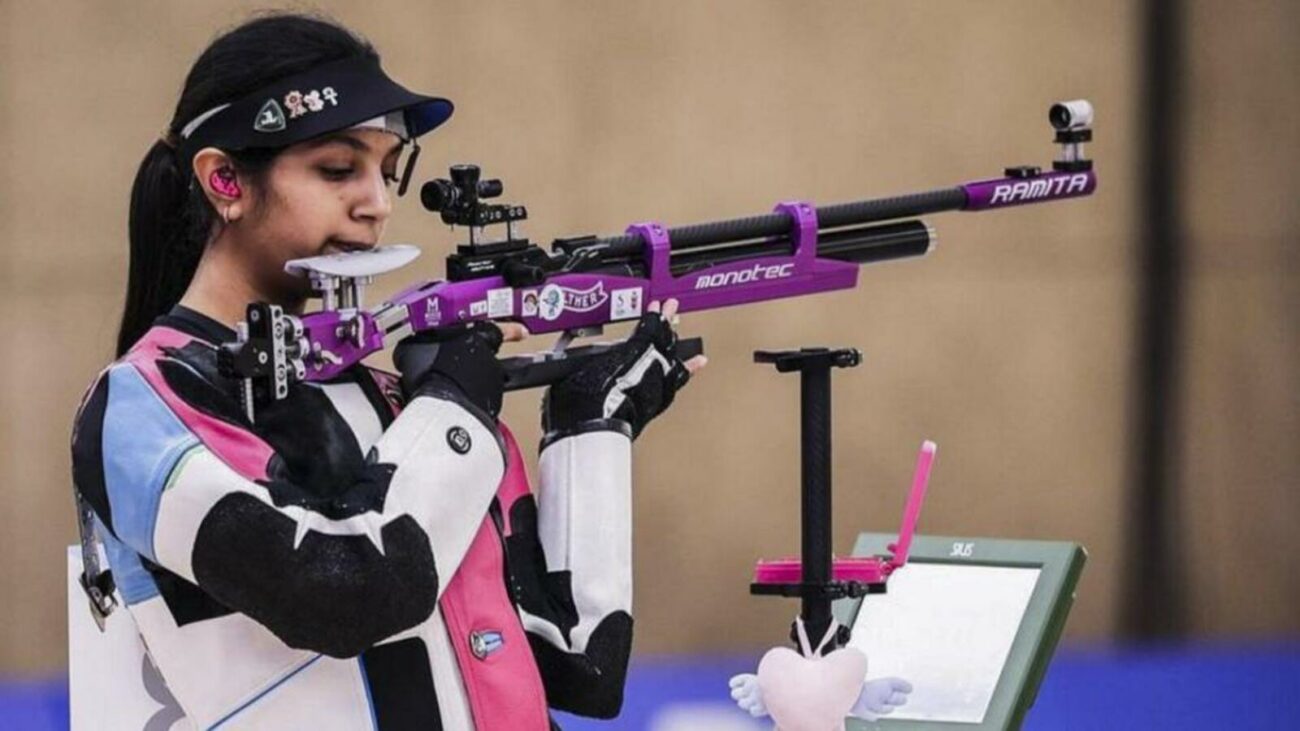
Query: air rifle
{"points": [[586, 282]]}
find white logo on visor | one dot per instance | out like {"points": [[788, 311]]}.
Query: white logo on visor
{"points": [[270, 118], [301, 104]]}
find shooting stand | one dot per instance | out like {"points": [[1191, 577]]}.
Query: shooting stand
{"points": [[820, 578]]}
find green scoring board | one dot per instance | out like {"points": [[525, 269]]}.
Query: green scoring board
{"points": [[949, 563]]}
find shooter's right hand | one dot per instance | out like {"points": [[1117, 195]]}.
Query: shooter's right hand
{"points": [[458, 363]]}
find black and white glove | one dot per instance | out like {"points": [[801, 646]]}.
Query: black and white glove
{"points": [[622, 389], [456, 362]]}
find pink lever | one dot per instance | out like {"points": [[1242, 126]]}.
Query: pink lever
{"points": [[920, 480], [864, 569]]}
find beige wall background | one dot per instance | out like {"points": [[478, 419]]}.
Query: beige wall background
{"points": [[1010, 345]]}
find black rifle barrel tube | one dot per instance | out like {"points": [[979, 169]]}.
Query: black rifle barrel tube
{"points": [[865, 245], [777, 224]]}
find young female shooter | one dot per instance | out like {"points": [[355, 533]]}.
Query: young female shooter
{"points": [[345, 562]]}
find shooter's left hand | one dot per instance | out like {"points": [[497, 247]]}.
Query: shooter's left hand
{"points": [[633, 382]]}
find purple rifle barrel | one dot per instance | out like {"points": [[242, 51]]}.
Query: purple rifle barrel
{"points": [[647, 263], [976, 196]]}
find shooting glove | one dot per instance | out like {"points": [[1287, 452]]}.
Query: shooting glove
{"points": [[623, 389], [460, 362]]}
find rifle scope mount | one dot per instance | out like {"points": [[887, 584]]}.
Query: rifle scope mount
{"points": [[458, 199]]}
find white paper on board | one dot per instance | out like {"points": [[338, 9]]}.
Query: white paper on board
{"points": [[947, 629]]}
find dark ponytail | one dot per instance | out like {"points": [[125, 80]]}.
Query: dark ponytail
{"points": [[170, 218], [162, 258]]}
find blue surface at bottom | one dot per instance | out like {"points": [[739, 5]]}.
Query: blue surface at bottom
{"points": [[1238, 687], [37, 705], [1243, 688]]}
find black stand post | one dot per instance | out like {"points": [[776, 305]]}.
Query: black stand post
{"points": [[816, 588]]}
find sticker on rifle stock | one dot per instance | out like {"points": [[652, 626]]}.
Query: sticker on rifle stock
{"points": [[478, 308], [625, 304], [501, 302], [528, 303], [432, 314], [556, 300]]}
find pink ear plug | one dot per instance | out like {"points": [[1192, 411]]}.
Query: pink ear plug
{"points": [[223, 181]]}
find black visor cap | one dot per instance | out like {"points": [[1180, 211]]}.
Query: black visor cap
{"points": [[328, 98]]}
